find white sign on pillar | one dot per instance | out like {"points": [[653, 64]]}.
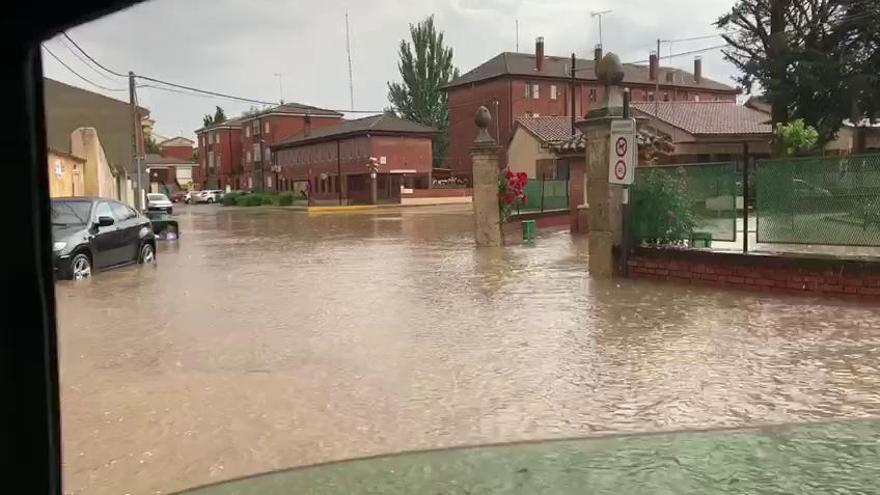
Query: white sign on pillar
{"points": [[622, 158]]}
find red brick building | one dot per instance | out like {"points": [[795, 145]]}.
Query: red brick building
{"points": [[177, 147], [330, 163], [220, 161], [513, 85], [235, 154]]}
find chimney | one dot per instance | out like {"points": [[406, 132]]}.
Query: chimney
{"points": [[652, 66], [307, 125], [539, 53], [698, 70], [597, 53]]}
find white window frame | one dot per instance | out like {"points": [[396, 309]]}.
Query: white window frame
{"points": [[216, 138], [266, 128], [528, 90], [247, 131], [553, 92], [536, 91], [697, 98], [257, 154], [247, 156]]}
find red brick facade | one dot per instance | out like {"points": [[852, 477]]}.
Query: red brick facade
{"points": [[802, 275], [180, 152], [219, 157], [320, 163], [506, 98]]}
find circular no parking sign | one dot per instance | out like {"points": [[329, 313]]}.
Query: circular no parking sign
{"points": [[620, 169]]}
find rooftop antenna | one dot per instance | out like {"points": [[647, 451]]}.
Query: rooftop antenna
{"points": [[599, 14], [280, 88], [348, 52], [517, 35]]}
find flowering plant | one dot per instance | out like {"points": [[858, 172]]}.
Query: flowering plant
{"points": [[510, 192]]}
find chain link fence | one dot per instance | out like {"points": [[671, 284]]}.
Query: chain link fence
{"points": [[818, 200], [685, 202]]}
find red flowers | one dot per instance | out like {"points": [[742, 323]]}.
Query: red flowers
{"points": [[510, 192]]}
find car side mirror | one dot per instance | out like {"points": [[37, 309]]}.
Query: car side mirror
{"points": [[105, 221]]}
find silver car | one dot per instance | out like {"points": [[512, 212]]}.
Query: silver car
{"points": [[159, 202]]}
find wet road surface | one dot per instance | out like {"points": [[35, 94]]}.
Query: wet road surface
{"points": [[267, 339]]}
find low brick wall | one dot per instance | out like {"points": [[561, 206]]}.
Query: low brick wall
{"points": [[816, 276], [439, 193]]}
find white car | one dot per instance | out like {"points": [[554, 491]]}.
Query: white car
{"points": [[159, 202], [209, 196], [188, 198]]}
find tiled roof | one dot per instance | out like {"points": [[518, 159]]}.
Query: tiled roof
{"points": [[523, 64], [384, 123], [548, 129], [233, 122], [645, 136], [157, 159], [176, 141], [712, 118], [294, 109]]}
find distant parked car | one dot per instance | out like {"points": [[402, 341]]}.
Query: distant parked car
{"points": [[209, 196], [189, 197], [91, 234], [159, 202], [178, 196]]}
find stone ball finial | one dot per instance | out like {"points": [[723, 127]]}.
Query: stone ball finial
{"points": [[609, 71], [483, 118]]}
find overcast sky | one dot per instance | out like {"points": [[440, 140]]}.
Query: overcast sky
{"points": [[237, 46]]}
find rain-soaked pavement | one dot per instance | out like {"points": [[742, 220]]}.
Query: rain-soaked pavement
{"points": [[267, 339]]}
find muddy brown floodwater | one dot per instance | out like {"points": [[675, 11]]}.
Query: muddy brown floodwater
{"points": [[267, 339]]}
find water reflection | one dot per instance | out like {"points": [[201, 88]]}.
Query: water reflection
{"points": [[267, 339]]}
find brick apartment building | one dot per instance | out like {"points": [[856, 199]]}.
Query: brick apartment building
{"points": [[513, 85], [235, 154], [330, 163], [177, 147]]}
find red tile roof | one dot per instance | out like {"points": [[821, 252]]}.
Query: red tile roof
{"points": [[548, 129], [708, 118]]}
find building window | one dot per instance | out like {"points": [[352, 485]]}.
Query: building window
{"points": [[697, 98], [211, 159], [553, 92], [593, 95], [247, 156], [665, 96], [216, 138], [528, 90], [220, 161], [256, 125], [266, 128], [536, 91], [247, 131], [256, 147], [650, 96]]}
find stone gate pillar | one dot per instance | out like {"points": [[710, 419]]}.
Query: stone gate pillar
{"points": [[484, 154], [604, 215]]}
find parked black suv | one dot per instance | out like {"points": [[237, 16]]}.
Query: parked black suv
{"points": [[91, 234]]}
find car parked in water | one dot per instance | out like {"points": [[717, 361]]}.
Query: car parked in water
{"points": [[188, 198], [93, 234], [178, 196], [159, 202], [210, 196]]}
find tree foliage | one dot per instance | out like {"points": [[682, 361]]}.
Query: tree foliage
{"points": [[797, 138], [425, 67], [815, 59], [151, 146], [218, 117]]}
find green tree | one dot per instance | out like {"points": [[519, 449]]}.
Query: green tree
{"points": [[218, 117], [425, 67], [151, 146], [812, 57], [796, 138]]}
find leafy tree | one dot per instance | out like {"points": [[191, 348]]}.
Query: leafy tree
{"points": [[425, 67], [151, 146], [797, 138], [815, 59], [218, 117]]}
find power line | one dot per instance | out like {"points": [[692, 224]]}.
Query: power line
{"points": [[90, 57], [93, 83], [681, 54], [76, 54]]}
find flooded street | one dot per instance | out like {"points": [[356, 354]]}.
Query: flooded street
{"points": [[267, 339]]}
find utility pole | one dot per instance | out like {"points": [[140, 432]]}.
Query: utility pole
{"points": [[571, 91], [138, 141], [657, 83], [280, 88], [348, 52], [599, 14]]}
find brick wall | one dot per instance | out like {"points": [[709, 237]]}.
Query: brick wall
{"points": [[441, 193], [815, 276]]}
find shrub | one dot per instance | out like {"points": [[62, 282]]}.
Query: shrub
{"points": [[250, 200], [230, 199], [797, 138], [269, 199], [286, 199], [663, 208]]}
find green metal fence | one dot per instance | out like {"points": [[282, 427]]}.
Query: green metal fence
{"points": [[543, 195], [819, 200], [677, 203]]}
